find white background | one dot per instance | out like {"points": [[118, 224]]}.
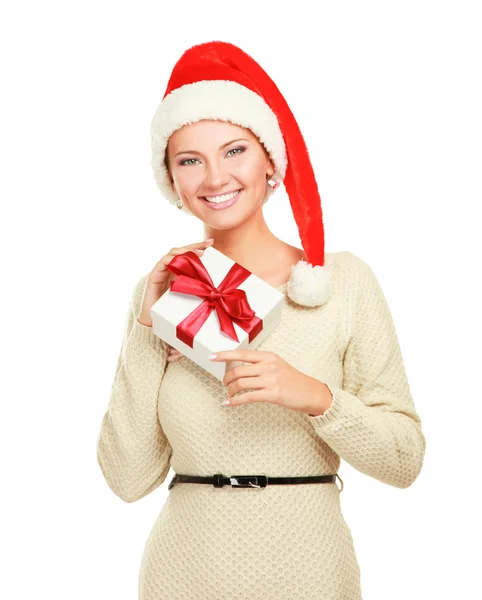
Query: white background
{"points": [[388, 97]]}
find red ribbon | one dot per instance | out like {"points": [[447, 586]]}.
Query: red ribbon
{"points": [[231, 304]]}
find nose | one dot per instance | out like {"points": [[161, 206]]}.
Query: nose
{"points": [[215, 177]]}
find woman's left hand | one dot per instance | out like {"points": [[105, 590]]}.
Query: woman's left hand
{"points": [[275, 381]]}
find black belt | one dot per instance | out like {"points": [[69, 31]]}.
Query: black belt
{"points": [[254, 481]]}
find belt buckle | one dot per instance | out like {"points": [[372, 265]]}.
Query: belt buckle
{"points": [[256, 481]]}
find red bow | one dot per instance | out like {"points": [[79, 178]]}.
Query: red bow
{"points": [[231, 304]]}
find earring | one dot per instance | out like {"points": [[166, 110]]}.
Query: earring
{"points": [[179, 203], [273, 183]]}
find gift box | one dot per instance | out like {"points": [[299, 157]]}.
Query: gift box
{"points": [[214, 304]]}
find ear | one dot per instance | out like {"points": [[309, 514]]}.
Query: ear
{"points": [[171, 181]]}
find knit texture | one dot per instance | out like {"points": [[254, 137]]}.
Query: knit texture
{"points": [[278, 542]]}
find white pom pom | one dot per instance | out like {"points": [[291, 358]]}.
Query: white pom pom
{"points": [[308, 285]]}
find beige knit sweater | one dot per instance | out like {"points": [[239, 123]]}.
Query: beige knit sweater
{"points": [[283, 541]]}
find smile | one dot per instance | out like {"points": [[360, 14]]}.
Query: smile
{"points": [[223, 201]]}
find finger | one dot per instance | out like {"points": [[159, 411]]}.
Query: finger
{"points": [[182, 249], [198, 246], [248, 383], [173, 358], [248, 370], [208, 242], [200, 251], [166, 259], [250, 397], [203, 243], [252, 356], [174, 352]]}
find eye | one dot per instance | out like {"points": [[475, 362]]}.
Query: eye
{"points": [[237, 151], [186, 161], [241, 149]]}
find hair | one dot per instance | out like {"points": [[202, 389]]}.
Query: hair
{"points": [[166, 163]]}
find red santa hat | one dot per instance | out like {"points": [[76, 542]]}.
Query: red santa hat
{"points": [[217, 80]]}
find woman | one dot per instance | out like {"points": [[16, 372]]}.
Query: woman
{"points": [[327, 383]]}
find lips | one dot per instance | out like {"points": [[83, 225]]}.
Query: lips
{"points": [[221, 205], [223, 194]]}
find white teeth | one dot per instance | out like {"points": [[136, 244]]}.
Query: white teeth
{"points": [[219, 199]]}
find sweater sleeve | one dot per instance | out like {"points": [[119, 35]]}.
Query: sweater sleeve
{"points": [[133, 451], [372, 422]]}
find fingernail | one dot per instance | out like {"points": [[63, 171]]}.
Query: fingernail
{"points": [[226, 402], [212, 356]]}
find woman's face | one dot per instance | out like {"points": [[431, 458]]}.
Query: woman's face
{"points": [[211, 158]]}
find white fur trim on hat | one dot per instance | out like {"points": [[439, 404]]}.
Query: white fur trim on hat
{"points": [[309, 285], [218, 100]]}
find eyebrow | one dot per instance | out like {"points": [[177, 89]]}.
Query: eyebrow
{"points": [[221, 147]]}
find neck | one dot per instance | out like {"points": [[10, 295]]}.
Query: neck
{"points": [[256, 248], [250, 244]]}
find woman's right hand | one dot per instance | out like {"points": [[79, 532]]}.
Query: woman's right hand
{"points": [[159, 279]]}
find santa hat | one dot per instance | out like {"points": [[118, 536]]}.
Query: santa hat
{"points": [[217, 80]]}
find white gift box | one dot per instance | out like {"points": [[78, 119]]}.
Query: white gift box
{"points": [[173, 307]]}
